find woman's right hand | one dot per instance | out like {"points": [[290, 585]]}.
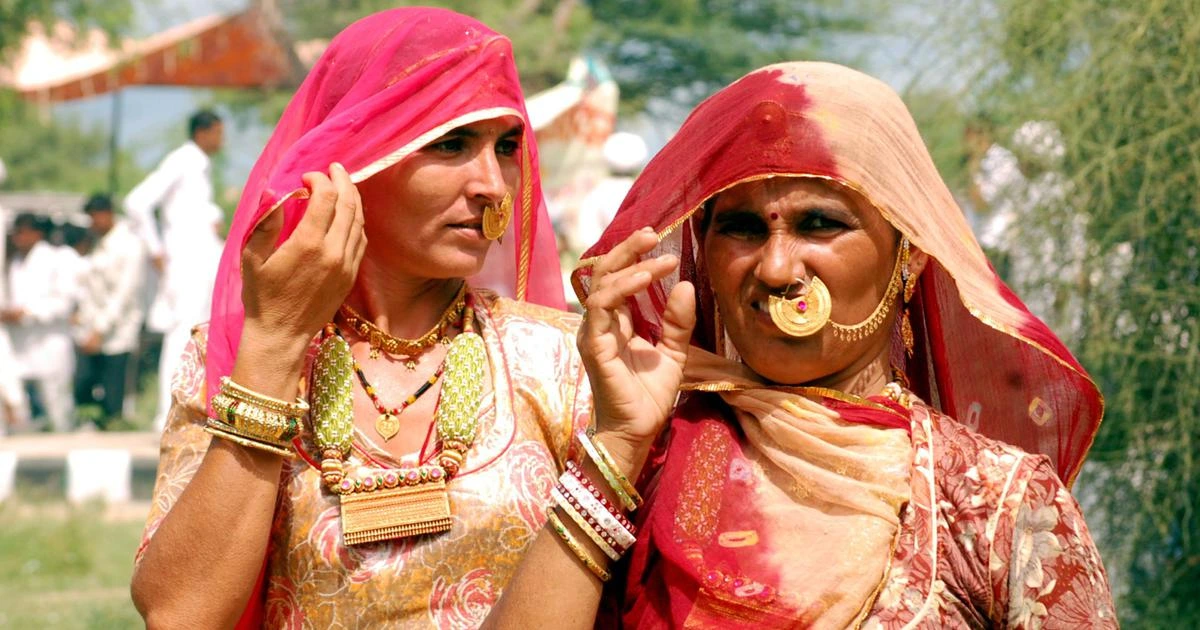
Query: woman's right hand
{"points": [[634, 382], [292, 290]]}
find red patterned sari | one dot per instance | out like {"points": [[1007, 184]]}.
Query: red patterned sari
{"points": [[800, 507]]}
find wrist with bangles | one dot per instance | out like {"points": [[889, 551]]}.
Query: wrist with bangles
{"points": [[580, 499], [254, 420]]}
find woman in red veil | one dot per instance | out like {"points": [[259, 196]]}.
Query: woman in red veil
{"points": [[366, 431], [871, 430]]}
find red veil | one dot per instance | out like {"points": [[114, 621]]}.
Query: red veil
{"points": [[388, 85], [981, 357]]}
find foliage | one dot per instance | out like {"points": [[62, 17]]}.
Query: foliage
{"points": [[43, 154], [1122, 83], [544, 33], [683, 51], [676, 53], [15, 17]]}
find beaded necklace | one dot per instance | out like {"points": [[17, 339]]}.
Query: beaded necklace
{"points": [[397, 502], [399, 346], [387, 424]]}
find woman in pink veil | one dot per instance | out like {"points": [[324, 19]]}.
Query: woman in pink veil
{"points": [[366, 431]]}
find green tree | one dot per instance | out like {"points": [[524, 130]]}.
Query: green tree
{"points": [[1122, 83], [545, 34], [39, 153], [676, 52], [16, 15], [43, 154], [680, 52]]}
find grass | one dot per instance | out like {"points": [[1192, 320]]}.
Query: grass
{"points": [[66, 567]]}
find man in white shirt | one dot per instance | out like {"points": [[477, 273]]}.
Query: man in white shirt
{"points": [[110, 315], [187, 249], [37, 316], [14, 407]]}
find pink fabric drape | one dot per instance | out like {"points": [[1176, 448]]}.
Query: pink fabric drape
{"points": [[388, 85]]}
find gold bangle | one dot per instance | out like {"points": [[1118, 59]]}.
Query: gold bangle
{"points": [[581, 553], [255, 421], [622, 480], [237, 392], [626, 493], [264, 423], [214, 428]]}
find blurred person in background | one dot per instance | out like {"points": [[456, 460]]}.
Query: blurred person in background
{"points": [[109, 316], [37, 315], [624, 153], [184, 244], [73, 243], [79, 239], [14, 406]]}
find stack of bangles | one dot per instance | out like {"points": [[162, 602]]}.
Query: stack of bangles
{"points": [[256, 421], [584, 504]]}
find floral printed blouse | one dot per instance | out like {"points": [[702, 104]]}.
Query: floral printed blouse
{"points": [[449, 580], [990, 538]]}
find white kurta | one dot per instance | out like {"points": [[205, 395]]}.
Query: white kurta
{"points": [[12, 394], [181, 188], [41, 283]]}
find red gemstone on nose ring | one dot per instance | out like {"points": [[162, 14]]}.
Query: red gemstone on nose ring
{"points": [[802, 306]]}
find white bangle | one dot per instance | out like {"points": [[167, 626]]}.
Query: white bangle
{"points": [[596, 509], [592, 531]]}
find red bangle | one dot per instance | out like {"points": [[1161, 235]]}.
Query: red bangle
{"points": [[577, 472]]}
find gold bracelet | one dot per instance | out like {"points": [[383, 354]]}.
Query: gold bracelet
{"points": [[220, 429], [237, 392], [622, 480], [254, 421], [581, 553], [270, 425], [609, 470]]}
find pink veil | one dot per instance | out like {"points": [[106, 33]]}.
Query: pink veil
{"points": [[387, 85]]}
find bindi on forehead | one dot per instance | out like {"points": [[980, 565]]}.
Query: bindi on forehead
{"points": [[774, 216]]}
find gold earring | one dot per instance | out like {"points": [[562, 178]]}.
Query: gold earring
{"points": [[804, 314], [496, 218], [909, 279]]}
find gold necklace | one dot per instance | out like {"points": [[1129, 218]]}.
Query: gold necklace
{"points": [[399, 346], [394, 503]]}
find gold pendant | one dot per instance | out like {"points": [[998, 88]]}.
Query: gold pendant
{"points": [[802, 316], [496, 218], [388, 513], [410, 364], [387, 426]]}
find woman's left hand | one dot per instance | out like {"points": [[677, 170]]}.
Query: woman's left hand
{"points": [[634, 382]]}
